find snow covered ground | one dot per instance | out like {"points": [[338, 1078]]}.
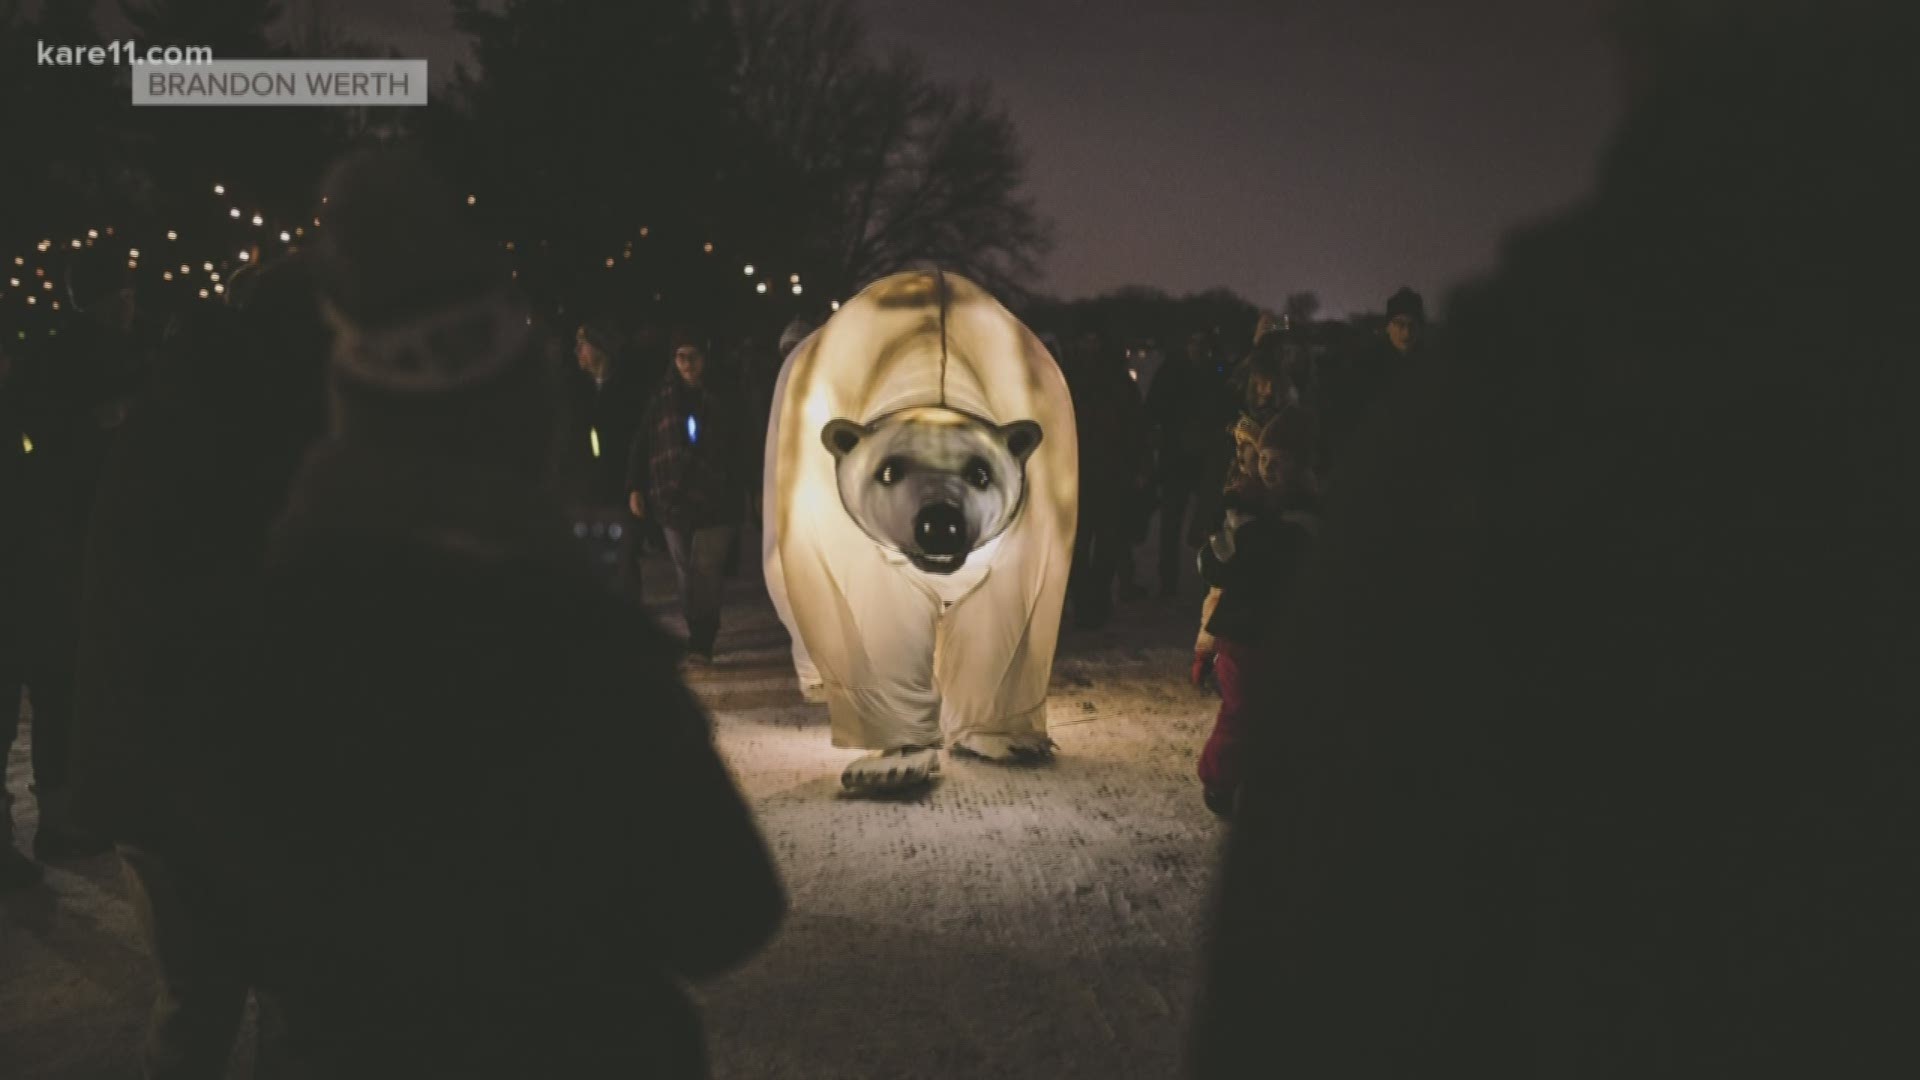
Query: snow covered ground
{"points": [[1011, 922]]}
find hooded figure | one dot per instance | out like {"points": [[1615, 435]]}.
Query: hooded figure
{"points": [[1597, 750], [541, 842], [919, 524]]}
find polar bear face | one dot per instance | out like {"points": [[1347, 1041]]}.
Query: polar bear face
{"points": [[932, 483]]}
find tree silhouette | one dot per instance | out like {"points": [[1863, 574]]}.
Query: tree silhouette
{"points": [[1138, 312], [64, 170], [1301, 307], [889, 168], [267, 156], [588, 122]]}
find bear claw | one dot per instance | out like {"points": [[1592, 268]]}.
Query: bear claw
{"points": [[905, 767], [1005, 749]]}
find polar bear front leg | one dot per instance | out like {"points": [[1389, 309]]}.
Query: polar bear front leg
{"points": [[1005, 749], [887, 771]]}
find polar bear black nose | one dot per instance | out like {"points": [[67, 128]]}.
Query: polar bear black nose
{"points": [[941, 529]]}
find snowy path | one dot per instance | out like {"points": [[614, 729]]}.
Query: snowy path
{"points": [[1010, 923]]}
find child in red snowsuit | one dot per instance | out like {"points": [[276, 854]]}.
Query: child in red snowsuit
{"points": [[1253, 560]]}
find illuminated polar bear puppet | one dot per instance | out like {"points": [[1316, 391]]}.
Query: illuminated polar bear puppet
{"points": [[922, 477]]}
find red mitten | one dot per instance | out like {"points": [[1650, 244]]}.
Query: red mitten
{"points": [[1202, 667]]}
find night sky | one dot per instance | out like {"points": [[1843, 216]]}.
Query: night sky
{"points": [[1343, 146]]}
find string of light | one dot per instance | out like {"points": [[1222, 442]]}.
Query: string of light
{"points": [[206, 282]]}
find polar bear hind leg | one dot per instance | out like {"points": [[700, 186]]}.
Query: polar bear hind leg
{"points": [[1005, 749], [886, 771]]}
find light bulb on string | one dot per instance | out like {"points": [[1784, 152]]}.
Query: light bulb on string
{"points": [[795, 279], [56, 305], [76, 242], [208, 267], [760, 288], [834, 305], [171, 235], [45, 244], [709, 247], [246, 256], [133, 253], [166, 275], [219, 288], [748, 270], [285, 236], [258, 220], [93, 234], [219, 189], [609, 264], [234, 213], [213, 277], [470, 200], [796, 290], [203, 294]]}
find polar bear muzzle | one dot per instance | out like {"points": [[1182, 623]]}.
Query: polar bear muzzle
{"points": [[931, 483]]}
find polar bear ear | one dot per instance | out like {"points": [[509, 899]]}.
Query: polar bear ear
{"points": [[841, 436], [1021, 437]]}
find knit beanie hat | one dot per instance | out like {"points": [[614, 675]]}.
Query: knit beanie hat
{"points": [[434, 350], [419, 303], [1406, 302]]}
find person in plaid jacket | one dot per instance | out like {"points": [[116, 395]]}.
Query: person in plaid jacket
{"points": [[687, 470]]}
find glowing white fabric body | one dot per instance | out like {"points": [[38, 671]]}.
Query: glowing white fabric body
{"points": [[909, 657]]}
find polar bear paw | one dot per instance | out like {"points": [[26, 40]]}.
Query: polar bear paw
{"points": [[1006, 749], [898, 769]]}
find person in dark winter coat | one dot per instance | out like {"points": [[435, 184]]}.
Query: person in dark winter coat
{"points": [[479, 826], [16, 587], [1188, 406], [688, 470], [1108, 418], [1599, 755], [173, 566], [606, 400], [1264, 397], [1371, 371], [1271, 519], [68, 406]]}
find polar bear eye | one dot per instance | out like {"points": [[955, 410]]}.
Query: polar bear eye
{"points": [[978, 474], [891, 471]]}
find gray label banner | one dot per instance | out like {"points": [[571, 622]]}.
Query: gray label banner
{"points": [[283, 82]]}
